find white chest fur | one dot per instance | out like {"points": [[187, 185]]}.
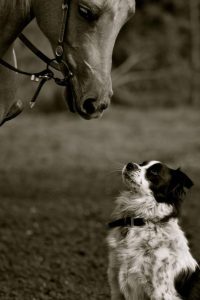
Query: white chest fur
{"points": [[146, 258]]}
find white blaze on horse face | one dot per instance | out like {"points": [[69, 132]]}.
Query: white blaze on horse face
{"points": [[118, 7]]}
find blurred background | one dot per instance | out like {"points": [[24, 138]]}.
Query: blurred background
{"points": [[60, 174]]}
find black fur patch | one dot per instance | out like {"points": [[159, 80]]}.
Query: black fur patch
{"points": [[168, 185], [187, 285], [144, 163]]}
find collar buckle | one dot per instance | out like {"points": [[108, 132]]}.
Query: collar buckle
{"points": [[131, 221]]}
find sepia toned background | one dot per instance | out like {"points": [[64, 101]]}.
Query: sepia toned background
{"points": [[60, 174]]}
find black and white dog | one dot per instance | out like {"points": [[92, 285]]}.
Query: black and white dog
{"points": [[149, 257]]}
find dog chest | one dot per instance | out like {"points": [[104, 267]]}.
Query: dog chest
{"points": [[150, 248]]}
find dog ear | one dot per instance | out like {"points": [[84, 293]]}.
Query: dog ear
{"points": [[179, 182], [183, 179]]}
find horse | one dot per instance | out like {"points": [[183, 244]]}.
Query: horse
{"points": [[87, 38]]}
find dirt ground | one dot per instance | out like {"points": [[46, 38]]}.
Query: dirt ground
{"points": [[58, 180]]}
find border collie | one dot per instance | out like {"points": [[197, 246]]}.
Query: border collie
{"points": [[149, 257]]}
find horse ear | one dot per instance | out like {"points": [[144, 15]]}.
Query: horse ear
{"points": [[183, 179]]}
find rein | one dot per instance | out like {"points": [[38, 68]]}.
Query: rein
{"points": [[57, 63]]}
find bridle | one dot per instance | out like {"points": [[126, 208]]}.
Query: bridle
{"points": [[58, 63]]}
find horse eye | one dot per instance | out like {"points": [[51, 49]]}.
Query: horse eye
{"points": [[86, 13]]}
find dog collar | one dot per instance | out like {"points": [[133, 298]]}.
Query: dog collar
{"points": [[127, 222], [131, 221]]}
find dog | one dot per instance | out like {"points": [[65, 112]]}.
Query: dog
{"points": [[149, 257]]}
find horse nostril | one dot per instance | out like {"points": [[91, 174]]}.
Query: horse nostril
{"points": [[88, 106], [131, 167], [103, 106]]}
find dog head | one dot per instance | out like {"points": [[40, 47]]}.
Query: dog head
{"points": [[167, 185]]}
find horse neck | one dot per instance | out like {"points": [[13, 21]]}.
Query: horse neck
{"points": [[12, 21]]}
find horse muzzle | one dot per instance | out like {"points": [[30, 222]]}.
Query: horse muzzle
{"points": [[88, 107], [91, 109]]}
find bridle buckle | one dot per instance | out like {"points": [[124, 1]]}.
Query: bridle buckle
{"points": [[59, 51], [64, 6], [34, 78]]}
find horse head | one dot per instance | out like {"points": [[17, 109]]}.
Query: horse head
{"points": [[91, 30]]}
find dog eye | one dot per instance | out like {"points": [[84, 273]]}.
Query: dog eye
{"points": [[87, 13], [154, 172]]}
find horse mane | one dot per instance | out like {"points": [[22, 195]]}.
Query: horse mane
{"points": [[25, 4]]}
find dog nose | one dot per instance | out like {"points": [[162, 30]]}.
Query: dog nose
{"points": [[131, 167]]}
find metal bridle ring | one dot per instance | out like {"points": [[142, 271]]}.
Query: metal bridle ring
{"points": [[59, 51]]}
